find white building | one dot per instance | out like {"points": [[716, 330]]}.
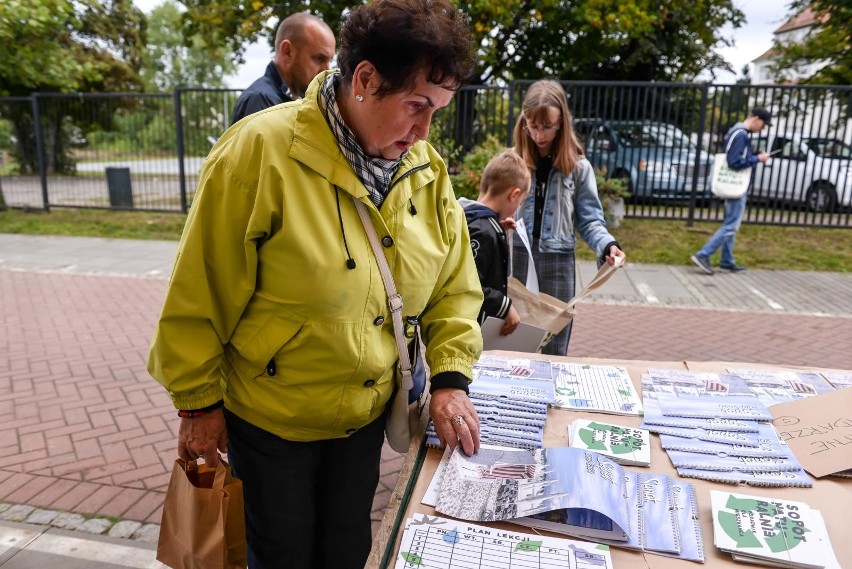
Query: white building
{"points": [[793, 31]]}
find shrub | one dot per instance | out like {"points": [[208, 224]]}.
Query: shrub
{"points": [[466, 181]]}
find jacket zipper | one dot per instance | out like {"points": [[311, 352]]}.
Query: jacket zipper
{"points": [[407, 174]]}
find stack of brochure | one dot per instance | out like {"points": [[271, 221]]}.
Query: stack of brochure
{"points": [[510, 396], [574, 492], [624, 445], [714, 427], [771, 531]]}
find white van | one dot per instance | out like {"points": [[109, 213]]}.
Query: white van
{"points": [[815, 170]]}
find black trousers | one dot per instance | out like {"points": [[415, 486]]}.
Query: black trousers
{"points": [[308, 504]]}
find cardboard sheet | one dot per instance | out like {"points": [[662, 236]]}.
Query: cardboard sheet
{"points": [[818, 430]]}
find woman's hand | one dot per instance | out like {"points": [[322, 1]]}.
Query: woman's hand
{"points": [[455, 419], [616, 257], [202, 436]]}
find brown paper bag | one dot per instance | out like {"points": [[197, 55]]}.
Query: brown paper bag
{"points": [[550, 313], [203, 524]]}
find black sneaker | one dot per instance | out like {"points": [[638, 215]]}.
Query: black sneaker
{"points": [[702, 263], [733, 267]]}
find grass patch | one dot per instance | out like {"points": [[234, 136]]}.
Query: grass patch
{"points": [[671, 242], [94, 223], [668, 242]]}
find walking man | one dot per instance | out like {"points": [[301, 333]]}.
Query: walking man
{"points": [[740, 156], [304, 46]]}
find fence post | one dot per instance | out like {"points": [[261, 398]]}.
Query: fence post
{"points": [[702, 120], [511, 122], [42, 162], [180, 150]]}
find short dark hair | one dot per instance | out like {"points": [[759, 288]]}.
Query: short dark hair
{"points": [[401, 38], [293, 27], [506, 171]]}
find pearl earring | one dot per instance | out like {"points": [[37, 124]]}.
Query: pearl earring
{"points": [[359, 98]]}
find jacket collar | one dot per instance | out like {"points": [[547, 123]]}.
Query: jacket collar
{"points": [[314, 146]]}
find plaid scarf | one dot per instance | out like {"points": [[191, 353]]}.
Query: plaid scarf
{"points": [[375, 173]]}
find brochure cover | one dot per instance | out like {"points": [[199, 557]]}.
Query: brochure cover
{"points": [[440, 543], [702, 406], [767, 441], [768, 529], [685, 505], [654, 415], [513, 378], [624, 445], [677, 382], [779, 386], [500, 485], [838, 379], [607, 389], [653, 517], [682, 459], [794, 478], [723, 437]]}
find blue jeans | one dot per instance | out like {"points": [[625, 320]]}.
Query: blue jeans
{"points": [[307, 504], [724, 237]]}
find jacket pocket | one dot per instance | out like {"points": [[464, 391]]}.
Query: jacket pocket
{"points": [[263, 331]]}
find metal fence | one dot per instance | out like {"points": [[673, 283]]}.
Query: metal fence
{"points": [[144, 151]]}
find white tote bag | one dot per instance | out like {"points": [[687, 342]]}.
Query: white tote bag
{"points": [[728, 183]]}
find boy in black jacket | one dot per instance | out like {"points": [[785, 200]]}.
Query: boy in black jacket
{"points": [[504, 185]]}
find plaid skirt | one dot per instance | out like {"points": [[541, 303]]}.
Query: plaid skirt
{"points": [[556, 277]]}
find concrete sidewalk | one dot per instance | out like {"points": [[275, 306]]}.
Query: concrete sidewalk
{"points": [[89, 438]]}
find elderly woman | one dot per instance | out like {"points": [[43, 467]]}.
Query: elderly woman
{"points": [[275, 341]]}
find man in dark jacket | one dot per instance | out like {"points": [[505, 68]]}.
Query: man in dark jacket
{"points": [[304, 46], [740, 156], [504, 185]]}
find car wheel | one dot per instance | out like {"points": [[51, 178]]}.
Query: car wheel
{"points": [[821, 197]]}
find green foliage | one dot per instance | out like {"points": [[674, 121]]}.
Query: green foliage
{"points": [[610, 188], [233, 24], [599, 39], [466, 182], [173, 60], [828, 42], [526, 39]]}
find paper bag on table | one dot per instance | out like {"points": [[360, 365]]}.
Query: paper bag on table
{"points": [[203, 524]]}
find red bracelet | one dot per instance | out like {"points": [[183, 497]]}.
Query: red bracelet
{"points": [[193, 413]]}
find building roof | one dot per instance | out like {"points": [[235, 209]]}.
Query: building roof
{"points": [[806, 17], [768, 54]]}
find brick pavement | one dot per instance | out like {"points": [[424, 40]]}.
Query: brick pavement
{"points": [[86, 429]]}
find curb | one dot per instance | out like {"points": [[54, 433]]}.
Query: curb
{"points": [[91, 524]]}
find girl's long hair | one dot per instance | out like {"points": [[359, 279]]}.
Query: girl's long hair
{"points": [[566, 149]]}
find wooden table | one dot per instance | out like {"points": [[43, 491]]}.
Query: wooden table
{"points": [[831, 495]]}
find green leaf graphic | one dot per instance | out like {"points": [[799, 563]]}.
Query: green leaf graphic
{"points": [[412, 558], [528, 546], [565, 391], [588, 438], [784, 538]]}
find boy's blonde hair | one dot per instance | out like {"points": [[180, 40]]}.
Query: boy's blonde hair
{"points": [[506, 171]]}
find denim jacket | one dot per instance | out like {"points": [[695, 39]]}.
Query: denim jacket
{"points": [[570, 200]]}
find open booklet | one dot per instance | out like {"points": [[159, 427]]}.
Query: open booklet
{"points": [[575, 492]]}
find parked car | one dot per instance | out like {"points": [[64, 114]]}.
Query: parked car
{"points": [[814, 170], [657, 159]]}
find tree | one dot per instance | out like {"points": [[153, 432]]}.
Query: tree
{"points": [[828, 42], [233, 24], [65, 45], [174, 60], [600, 39], [529, 39]]}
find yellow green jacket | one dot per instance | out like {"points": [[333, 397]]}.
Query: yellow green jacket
{"points": [[261, 275]]}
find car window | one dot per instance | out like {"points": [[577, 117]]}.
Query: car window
{"points": [[657, 135], [829, 147]]}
